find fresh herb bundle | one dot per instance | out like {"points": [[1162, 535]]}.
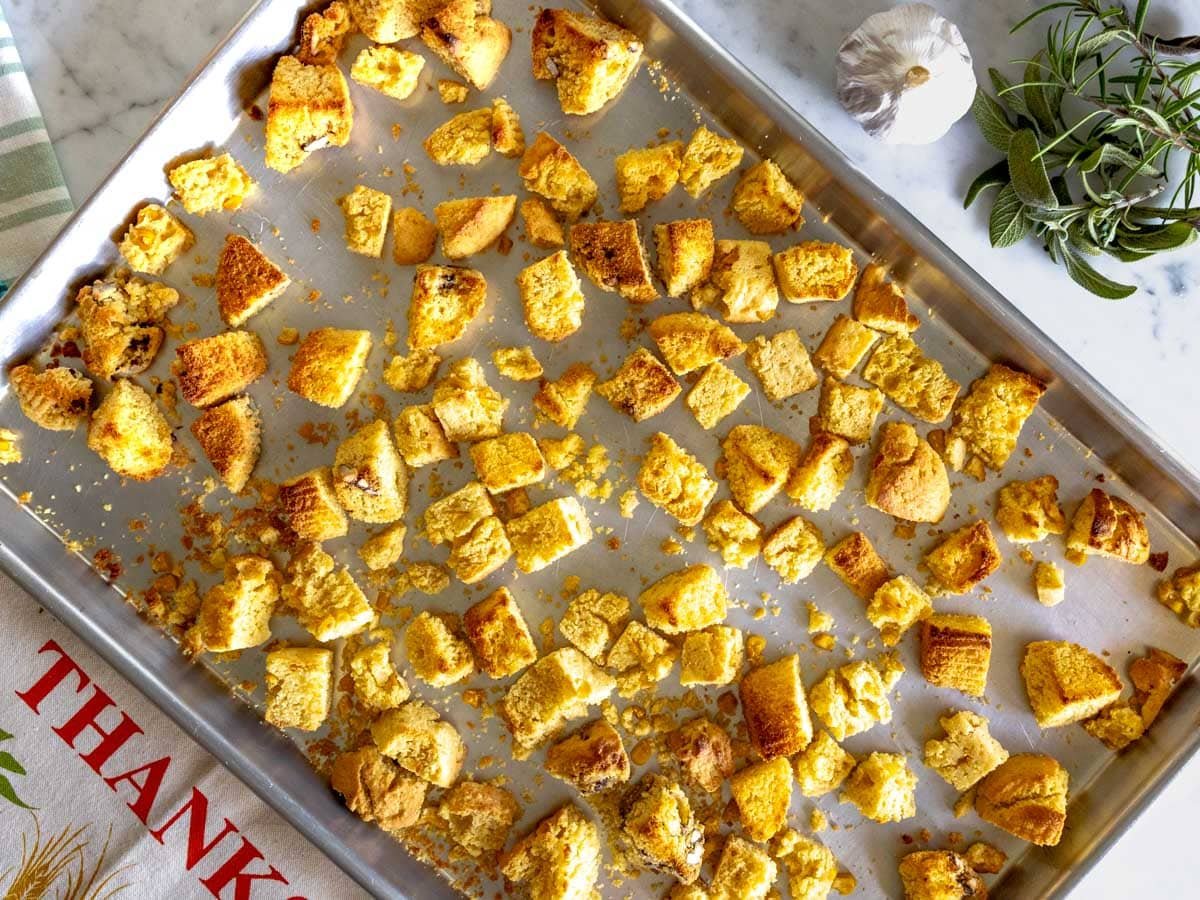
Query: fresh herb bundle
{"points": [[1105, 119]]}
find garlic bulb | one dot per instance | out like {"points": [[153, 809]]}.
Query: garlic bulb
{"points": [[905, 75]]}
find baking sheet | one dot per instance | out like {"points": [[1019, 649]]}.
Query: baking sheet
{"points": [[1109, 606]]}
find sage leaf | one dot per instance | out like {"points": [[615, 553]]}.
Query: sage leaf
{"points": [[1084, 275], [1008, 223], [1174, 236], [1110, 154], [1037, 99], [996, 176], [1028, 171], [1009, 97], [993, 122]]}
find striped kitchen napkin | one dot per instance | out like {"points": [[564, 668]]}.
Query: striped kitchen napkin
{"points": [[34, 202]]}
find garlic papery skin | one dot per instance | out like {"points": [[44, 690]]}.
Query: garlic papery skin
{"points": [[905, 75]]}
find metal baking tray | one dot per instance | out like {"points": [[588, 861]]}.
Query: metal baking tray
{"points": [[1080, 434]]}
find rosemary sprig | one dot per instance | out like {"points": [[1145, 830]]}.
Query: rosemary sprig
{"points": [[1105, 119]]}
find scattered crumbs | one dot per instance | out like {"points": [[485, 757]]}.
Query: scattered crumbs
{"points": [[756, 644], [315, 226], [817, 821], [1076, 557], [824, 641], [397, 130], [628, 503], [845, 883], [672, 547], [1159, 561], [818, 619], [906, 531], [287, 336]]}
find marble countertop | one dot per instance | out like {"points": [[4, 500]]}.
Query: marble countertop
{"points": [[102, 68]]}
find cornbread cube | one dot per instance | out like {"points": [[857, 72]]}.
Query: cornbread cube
{"points": [[517, 363], [563, 401], [689, 341], [548, 532], [775, 708], [498, 634], [57, 399], [247, 282], [383, 548], [711, 656], [896, 606], [236, 614], [299, 683], [120, 322], [744, 872], [793, 549], [412, 373], [413, 237], [611, 255], [913, 381], [647, 174], [559, 858], [765, 202], [392, 72], [508, 462], [660, 830], [851, 699], [323, 35], [991, 414], [782, 365], [847, 410], [416, 737], [956, 651], [707, 159], [445, 300], [883, 788], [230, 435], [478, 816], [843, 347], [130, 433], [735, 535], [549, 170], [704, 752], [689, 599], [740, 283], [968, 751], [466, 405], [377, 790], [854, 560], [377, 684], [310, 506], [880, 304], [588, 58], [642, 387], [685, 251], [822, 766], [326, 600], [209, 185], [1028, 511], [453, 516], [508, 138], [593, 621], [1066, 682], [427, 577], [559, 686], [216, 368], [542, 228], [472, 224], [984, 858], [1181, 594], [1026, 795], [1048, 584], [10, 447], [470, 42], [1116, 726], [811, 867], [366, 212], [436, 650], [757, 463], [369, 478], [907, 479], [387, 21], [817, 480], [328, 364], [309, 108], [939, 875], [815, 270], [478, 554], [420, 438], [763, 793], [674, 480], [551, 297], [964, 559], [155, 240], [592, 759], [1104, 525], [715, 395], [641, 658]]}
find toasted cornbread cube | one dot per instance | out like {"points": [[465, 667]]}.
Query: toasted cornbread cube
{"points": [[744, 872], [563, 401], [326, 600], [388, 21], [707, 159], [436, 650], [1104, 525], [740, 283], [589, 59], [413, 237], [847, 410], [674, 480], [472, 224], [1048, 584], [247, 282], [466, 405], [964, 559], [414, 736], [468, 40], [420, 438], [412, 373], [793, 549], [551, 297], [913, 381], [815, 270], [445, 300], [130, 433], [811, 867], [1116, 726], [366, 213], [310, 506], [939, 875], [822, 472], [757, 462], [299, 683], [453, 516], [216, 368], [968, 751], [481, 552], [735, 535], [498, 634], [854, 560], [542, 228], [478, 816], [323, 35], [57, 399], [369, 478], [549, 170], [851, 699], [782, 365], [763, 793], [593, 621], [377, 790], [689, 341], [1028, 511], [984, 858], [236, 614], [822, 766], [464, 140], [907, 478], [704, 752], [775, 708], [642, 387], [548, 532], [844, 346], [641, 658], [1067, 683], [508, 138], [689, 599], [309, 108], [155, 240], [883, 788], [508, 462], [593, 759], [517, 363], [1026, 795], [896, 606], [880, 304], [377, 684], [659, 829], [559, 858], [712, 656], [211, 185], [10, 447], [990, 416], [120, 322], [647, 174], [230, 434], [1181, 594], [685, 251], [956, 652], [716, 394], [383, 548], [765, 202], [611, 255], [559, 686], [328, 364], [390, 71]]}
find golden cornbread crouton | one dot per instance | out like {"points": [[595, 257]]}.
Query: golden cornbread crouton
{"points": [[967, 753], [366, 213], [478, 554], [1104, 525], [323, 35], [10, 447], [247, 282], [641, 658], [592, 759], [883, 788], [383, 548], [854, 560], [155, 240], [549, 170], [416, 737], [551, 297], [964, 559], [690, 340], [559, 686], [991, 414], [309, 108], [611, 255], [463, 140], [822, 766], [453, 516], [843, 347], [704, 752], [660, 830], [57, 399], [328, 364], [497, 632], [564, 400], [647, 174], [744, 872], [674, 480], [472, 224], [782, 365], [478, 816], [880, 304], [559, 858], [377, 790], [216, 368], [377, 684], [715, 395], [815, 270], [517, 363], [327, 601], [209, 185], [236, 614], [896, 606], [548, 532], [775, 708], [848, 410], [1028, 511], [1026, 796], [412, 373], [939, 875], [445, 300], [230, 435], [707, 159], [542, 228], [369, 478], [914, 382], [984, 858], [956, 652], [508, 138], [740, 283], [817, 480], [642, 387], [793, 549], [310, 506], [508, 462], [811, 867], [120, 321], [1154, 676], [851, 699], [130, 433], [392, 72], [452, 91], [388, 21], [1181, 594], [468, 40], [299, 683], [413, 237], [685, 251], [593, 620], [588, 58], [1049, 584], [765, 202], [732, 533], [763, 793], [1067, 683], [689, 599], [908, 479], [466, 405], [757, 462], [437, 651], [711, 656], [420, 438]]}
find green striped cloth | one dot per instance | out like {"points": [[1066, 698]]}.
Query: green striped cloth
{"points": [[34, 203]]}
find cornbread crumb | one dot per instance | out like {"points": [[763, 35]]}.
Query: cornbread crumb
{"points": [[517, 363], [412, 373], [480, 552], [508, 138], [420, 438], [1104, 525], [216, 368], [1049, 584], [912, 380], [236, 614], [1026, 795], [674, 480], [466, 405], [641, 658], [559, 858], [707, 159], [559, 686], [589, 59], [56, 399], [689, 341], [548, 532], [648, 174], [967, 753], [366, 212], [818, 619], [716, 394], [685, 250], [436, 649], [744, 872], [735, 535], [815, 270], [390, 71], [230, 435], [765, 201], [611, 255], [465, 38], [822, 766], [939, 875], [416, 737], [326, 600], [593, 620], [323, 35], [811, 867], [498, 634], [328, 364], [445, 300], [551, 297], [120, 321], [896, 606], [1028, 511], [851, 699], [740, 282], [377, 684], [413, 237], [463, 140], [377, 790], [472, 224], [843, 347], [299, 683], [883, 788], [478, 816], [155, 240], [1181, 594], [642, 387], [452, 91], [508, 462], [984, 858], [209, 185]]}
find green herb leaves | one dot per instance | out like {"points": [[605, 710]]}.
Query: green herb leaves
{"points": [[9, 764], [1028, 173]]}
